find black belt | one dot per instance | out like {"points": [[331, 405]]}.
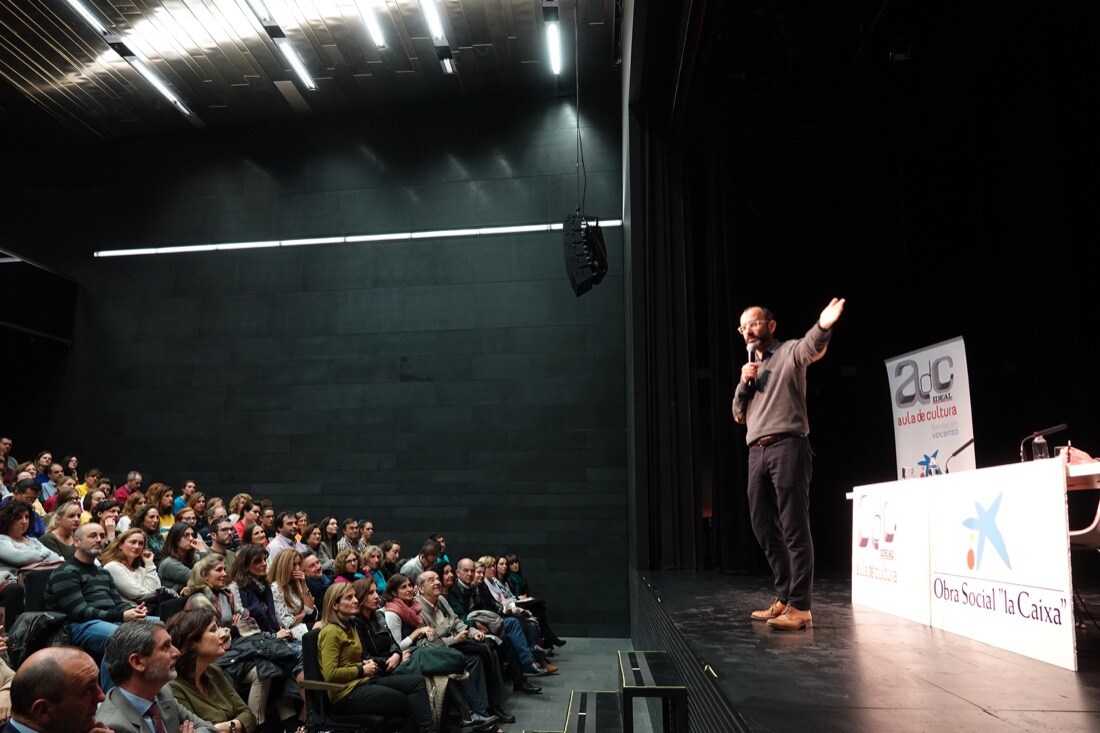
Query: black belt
{"points": [[771, 439]]}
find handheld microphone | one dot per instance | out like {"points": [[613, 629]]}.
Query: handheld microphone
{"points": [[963, 447], [751, 349], [1046, 431]]}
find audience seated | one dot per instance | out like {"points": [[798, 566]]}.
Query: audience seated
{"points": [[87, 595], [161, 496], [352, 539], [330, 538], [186, 491], [499, 582], [177, 557], [311, 538], [18, 552], [249, 583], [346, 566], [188, 516], [132, 511], [133, 483], [295, 608], [200, 685], [316, 580], [148, 521], [141, 659], [371, 562], [249, 514], [220, 537], [429, 553], [56, 691], [365, 690], [59, 531], [25, 491], [105, 514], [197, 501], [391, 558], [131, 567], [254, 536], [90, 499], [286, 524]]}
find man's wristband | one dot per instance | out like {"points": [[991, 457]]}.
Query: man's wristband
{"points": [[233, 726]]}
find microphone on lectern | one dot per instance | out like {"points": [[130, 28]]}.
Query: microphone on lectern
{"points": [[1046, 431], [961, 448]]}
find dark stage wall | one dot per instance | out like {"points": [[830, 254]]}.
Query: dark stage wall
{"points": [[452, 385]]}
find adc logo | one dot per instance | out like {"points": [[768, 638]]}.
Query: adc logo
{"points": [[985, 524], [922, 387]]}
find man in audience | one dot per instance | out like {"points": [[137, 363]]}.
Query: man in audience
{"points": [[56, 690], [133, 483], [287, 524], [438, 537], [213, 511], [185, 493], [49, 486], [8, 464], [91, 478], [87, 595], [142, 661], [316, 580], [221, 537], [26, 491], [351, 539], [429, 553]]}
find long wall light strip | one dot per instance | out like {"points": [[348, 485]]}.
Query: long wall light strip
{"points": [[354, 239], [142, 66]]}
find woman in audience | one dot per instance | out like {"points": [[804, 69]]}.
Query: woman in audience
{"points": [[71, 465], [391, 558], [161, 496], [208, 590], [250, 514], [42, 463], [105, 514], [311, 538], [371, 561], [379, 644], [234, 507], [536, 606], [364, 691], [255, 535], [248, 581], [148, 521], [131, 567], [177, 557], [131, 510], [89, 501], [346, 566], [330, 535], [294, 604], [59, 532], [197, 501], [17, 551], [200, 685], [188, 516]]}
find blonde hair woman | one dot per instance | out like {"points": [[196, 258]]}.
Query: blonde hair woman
{"points": [[294, 604], [131, 566], [59, 533]]}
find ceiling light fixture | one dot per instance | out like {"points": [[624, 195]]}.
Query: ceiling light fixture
{"points": [[446, 60], [157, 83], [295, 61], [552, 21], [431, 17], [371, 20], [354, 239], [88, 16], [259, 7]]}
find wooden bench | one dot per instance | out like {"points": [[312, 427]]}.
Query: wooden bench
{"points": [[594, 712], [653, 674]]}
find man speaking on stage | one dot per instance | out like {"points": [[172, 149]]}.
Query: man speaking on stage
{"points": [[770, 400]]}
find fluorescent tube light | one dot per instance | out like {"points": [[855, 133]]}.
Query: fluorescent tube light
{"points": [[157, 83], [371, 20], [448, 66], [388, 237], [553, 45], [295, 61], [259, 7], [431, 16], [91, 18]]}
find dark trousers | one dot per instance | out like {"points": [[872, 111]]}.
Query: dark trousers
{"points": [[779, 506], [397, 696], [490, 664]]}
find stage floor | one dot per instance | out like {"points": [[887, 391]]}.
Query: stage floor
{"points": [[862, 670]]}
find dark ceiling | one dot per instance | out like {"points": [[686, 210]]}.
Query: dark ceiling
{"points": [[59, 78]]}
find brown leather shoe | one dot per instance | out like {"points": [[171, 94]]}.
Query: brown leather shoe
{"points": [[550, 668], [792, 619], [776, 609]]}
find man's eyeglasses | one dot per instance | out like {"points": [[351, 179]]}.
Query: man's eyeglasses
{"points": [[751, 324]]}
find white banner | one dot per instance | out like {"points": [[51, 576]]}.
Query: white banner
{"points": [[930, 396]]}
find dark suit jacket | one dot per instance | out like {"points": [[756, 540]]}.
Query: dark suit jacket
{"points": [[119, 715]]}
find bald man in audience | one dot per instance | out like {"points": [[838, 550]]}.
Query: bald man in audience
{"points": [[56, 690]]}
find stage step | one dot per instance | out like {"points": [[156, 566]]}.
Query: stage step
{"points": [[653, 674], [594, 712]]}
